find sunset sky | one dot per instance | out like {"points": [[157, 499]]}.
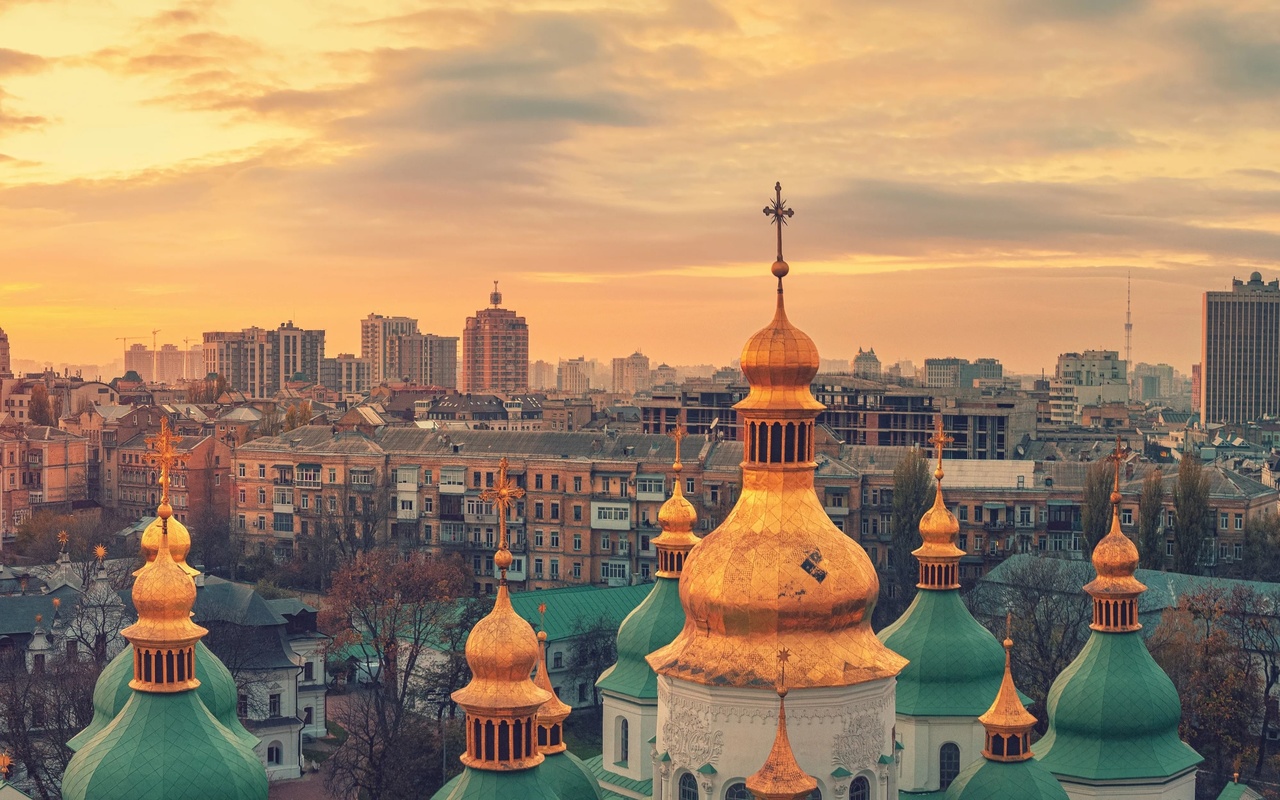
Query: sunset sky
{"points": [[971, 179]]}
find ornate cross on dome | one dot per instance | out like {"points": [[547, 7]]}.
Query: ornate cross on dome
{"points": [[502, 495], [165, 456], [784, 655], [1118, 456], [678, 433], [939, 439], [778, 213]]}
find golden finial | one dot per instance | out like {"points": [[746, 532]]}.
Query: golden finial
{"points": [[63, 538], [57, 603], [778, 214], [6, 761], [939, 440], [39, 619], [1117, 457], [99, 552], [677, 516], [1115, 558], [164, 455], [502, 495], [780, 778], [678, 434], [1008, 722], [551, 714]]}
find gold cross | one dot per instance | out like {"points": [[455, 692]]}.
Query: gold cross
{"points": [[1117, 456], [778, 212], [502, 495], [784, 655], [940, 439], [678, 434], [165, 456]]}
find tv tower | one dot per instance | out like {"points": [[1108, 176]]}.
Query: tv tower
{"points": [[1128, 320]]}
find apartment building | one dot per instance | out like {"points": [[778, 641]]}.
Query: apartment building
{"points": [[495, 349], [589, 514], [347, 375], [261, 362], [1240, 379], [632, 374], [200, 482], [41, 468]]}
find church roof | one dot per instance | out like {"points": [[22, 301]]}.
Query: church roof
{"points": [[989, 780], [525, 784], [651, 625]]}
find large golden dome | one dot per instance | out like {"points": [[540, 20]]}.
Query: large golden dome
{"points": [[502, 651], [777, 573], [179, 543]]}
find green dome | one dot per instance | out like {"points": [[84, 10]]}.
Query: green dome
{"points": [[956, 665], [164, 747], [996, 780], [558, 777], [1113, 715], [650, 626], [217, 691]]}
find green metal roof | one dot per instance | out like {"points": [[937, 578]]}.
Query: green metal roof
{"points": [[164, 747], [602, 773], [652, 625], [995, 780], [553, 779], [1237, 791], [217, 691], [569, 607], [1113, 715], [956, 665]]}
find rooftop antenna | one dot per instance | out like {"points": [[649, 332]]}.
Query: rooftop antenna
{"points": [[1128, 319]]}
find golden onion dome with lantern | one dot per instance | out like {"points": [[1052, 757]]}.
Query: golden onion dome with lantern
{"points": [[179, 543], [777, 573]]}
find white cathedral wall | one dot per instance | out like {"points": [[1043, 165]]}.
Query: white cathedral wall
{"points": [[923, 737], [733, 730], [642, 725], [1182, 787]]}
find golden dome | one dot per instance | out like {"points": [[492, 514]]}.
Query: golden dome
{"points": [[938, 530], [555, 711], [179, 543], [777, 573], [1115, 558], [502, 652], [780, 778], [677, 515], [1008, 722], [780, 361]]}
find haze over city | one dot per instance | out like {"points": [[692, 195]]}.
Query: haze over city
{"points": [[970, 170]]}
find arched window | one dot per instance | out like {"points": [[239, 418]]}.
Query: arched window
{"points": [[816, 794], [948, 764], [860, 790], [623, 740], [275, 753], [688, 787], [737, 791]]}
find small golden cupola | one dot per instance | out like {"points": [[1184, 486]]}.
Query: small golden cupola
{"points": [[777, 572], [551, 714], [677, 517], [501, 701], [938, 554], [1115, 558], [780, 778], [164, 637], [179, 536], [1008, 722]]}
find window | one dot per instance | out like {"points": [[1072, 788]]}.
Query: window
{"points": [[333, 475], [309, 671], [537, 480], [977, 513], [1168, 548], [273, 705], [582, 693], [426, 477], [406, 505], [577, 513], [239, 467], [243, 496], [537, 538], [555, 511], [605, 542], [555, 483], [555, 569], [948, 764], [1222, 521], [555, 538], [275, 753], [1239, 551], [242, 706], [333, 503], [307, 716], [428, 505], [262, 496], [1126, 516], [688, 486], [262, 470], [577, 541], [577, 570], [963, 516], [537, 510], [557, 660], [624, 735], [1238, 519], [577, 483], [860, 790], [688, 787], [737, 791]]}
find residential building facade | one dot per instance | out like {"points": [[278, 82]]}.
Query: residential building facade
{"points": [[1240, 379], [495, 349]]}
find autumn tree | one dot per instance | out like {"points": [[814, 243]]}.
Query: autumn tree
{"points": [[40, 409], [397, 609], [595, 649], [1150, 509], [1191, 514], [1252, 618], [912, 495], [1051, 618], [39, 711], [1095, 510], [297, 415]]}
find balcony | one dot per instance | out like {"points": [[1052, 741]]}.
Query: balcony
{"points": [[283, 480], [452, 488], [450, 516], [360, 486], [307, 482], [282, 508], [836, 511]]}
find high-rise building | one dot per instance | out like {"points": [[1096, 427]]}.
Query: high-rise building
{"points": [[495, 349], [6, 365], [1240, 379], [346, 374], [1089, 378], [380, 339], [167, 365], [866, 364], [259, 362], [631, 374], [542, 375], [398, 351], [572, 376]]}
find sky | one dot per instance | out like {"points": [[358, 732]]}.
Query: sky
{"points": [[975, 179]]}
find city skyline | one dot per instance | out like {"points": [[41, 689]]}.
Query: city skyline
{"points": [[615, 161]]}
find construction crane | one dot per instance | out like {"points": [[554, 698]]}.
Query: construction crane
{"points": [[186, 357], [154, 348]]}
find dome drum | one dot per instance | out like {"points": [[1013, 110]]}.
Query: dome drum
{"points": [[501, 743], [785, 442], [163, 669]]}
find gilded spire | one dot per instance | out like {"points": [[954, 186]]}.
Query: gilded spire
{"points": [[938, 555], [1115, 559], [1008, 722], [553, 713], [677, 518], [179, 536], [164, 637], [501, 700], [781, 778]]}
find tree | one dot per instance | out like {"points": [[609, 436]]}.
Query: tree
{"points": [[397, 609], [1254, 625], [912, 495], [1191, 514], [40, 410], [1050, 621], [297, 415], [1150, 509], [595, 649], [1260, 560], [1095, 511], [39, 712]]}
